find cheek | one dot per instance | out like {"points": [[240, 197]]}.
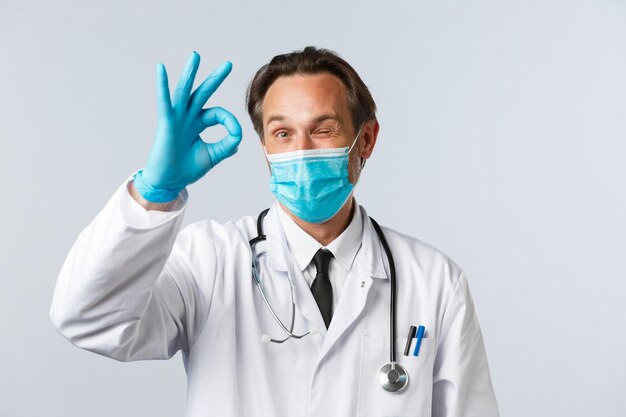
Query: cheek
{"points": [[271, 147]]}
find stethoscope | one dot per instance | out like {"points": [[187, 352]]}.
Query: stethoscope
{"points": [[392, 376]]}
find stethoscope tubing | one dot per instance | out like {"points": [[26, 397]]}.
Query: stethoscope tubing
{"points": [[293, 313], [259, 238], [392, 312]]}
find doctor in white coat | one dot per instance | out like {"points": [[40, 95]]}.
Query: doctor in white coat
{"points": [[136, 287]]}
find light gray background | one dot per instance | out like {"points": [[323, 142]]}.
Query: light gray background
{"points": [[501, 143]]}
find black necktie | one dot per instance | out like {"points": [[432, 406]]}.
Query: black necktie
{"points": [[321, 288]]}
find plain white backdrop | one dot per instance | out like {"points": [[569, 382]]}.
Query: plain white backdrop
{"points": [[502, 143]]}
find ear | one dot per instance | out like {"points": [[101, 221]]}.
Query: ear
{"points": [[370, 133]]}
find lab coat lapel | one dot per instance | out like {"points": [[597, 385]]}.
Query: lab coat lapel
{"points": [[369, 265], [280, 259], [276, 255]]}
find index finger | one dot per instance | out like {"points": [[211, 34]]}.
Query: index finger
{"points": [[208, 86], [228, 145]]}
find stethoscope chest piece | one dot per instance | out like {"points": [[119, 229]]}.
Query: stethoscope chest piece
{"points": [[393, 378]]}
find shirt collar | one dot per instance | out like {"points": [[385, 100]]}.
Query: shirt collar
{"points": [[372, 254], [303, 247]]}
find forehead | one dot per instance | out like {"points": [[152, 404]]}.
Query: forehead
{"points": [[305, 96]]}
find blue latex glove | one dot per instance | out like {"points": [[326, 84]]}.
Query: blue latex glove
{"points": [[179, 156]]}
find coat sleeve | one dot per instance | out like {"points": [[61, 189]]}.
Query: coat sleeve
{"points": [[462, 385], [126, 290]]}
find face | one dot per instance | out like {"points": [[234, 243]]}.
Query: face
{"points": [[309, 112], [306, 112]]}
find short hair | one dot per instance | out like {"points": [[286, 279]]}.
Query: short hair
{"points": [[310, 61]]}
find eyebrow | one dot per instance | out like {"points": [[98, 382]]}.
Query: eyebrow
{"points": [[320, 118]]}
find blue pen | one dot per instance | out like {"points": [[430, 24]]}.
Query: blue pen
{"points": [[420, 336]]}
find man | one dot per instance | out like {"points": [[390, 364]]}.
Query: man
{"points": [[319, 289]]}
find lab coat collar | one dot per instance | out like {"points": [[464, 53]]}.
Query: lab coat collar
{"points": [[370, 256], [276, 241]]}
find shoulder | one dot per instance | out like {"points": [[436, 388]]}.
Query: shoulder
{"points": [[423, 256], [222, 235]]}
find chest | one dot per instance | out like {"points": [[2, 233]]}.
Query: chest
{"points": [[337, 366]]}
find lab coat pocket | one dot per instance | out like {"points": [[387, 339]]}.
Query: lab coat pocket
{"points": [[415, 399]]}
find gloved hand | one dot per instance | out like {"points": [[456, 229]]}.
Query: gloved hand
{"points": [[179, 156]]}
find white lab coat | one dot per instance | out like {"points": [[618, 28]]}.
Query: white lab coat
{"points": [[131, 292]]}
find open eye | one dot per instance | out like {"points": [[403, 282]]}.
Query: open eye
{"points": [[282, 134]]}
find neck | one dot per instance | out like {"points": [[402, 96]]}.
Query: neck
{"points": [[326, 232]]}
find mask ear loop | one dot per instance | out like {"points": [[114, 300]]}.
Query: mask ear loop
{"points": [[354, 143], [356, 138]]}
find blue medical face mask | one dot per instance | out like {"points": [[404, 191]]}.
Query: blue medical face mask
{"points": [[312, 183]]}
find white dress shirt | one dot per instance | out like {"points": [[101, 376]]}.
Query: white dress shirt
{"points": [[344, 249]]}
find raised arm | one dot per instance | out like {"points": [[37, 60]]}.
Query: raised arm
{"points": [[127, 289]]}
